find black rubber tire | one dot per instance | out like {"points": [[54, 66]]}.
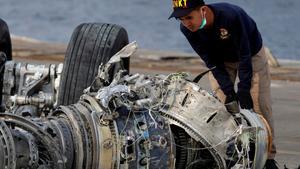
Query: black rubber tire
{"points": [[91, 44]]}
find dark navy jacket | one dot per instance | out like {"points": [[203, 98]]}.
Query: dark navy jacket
{"points": [[233, 37]]}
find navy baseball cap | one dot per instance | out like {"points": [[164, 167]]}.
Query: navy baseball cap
{"points": [[184, 7]]}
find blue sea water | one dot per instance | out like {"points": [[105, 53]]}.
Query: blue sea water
{"points": [[147, 21]]}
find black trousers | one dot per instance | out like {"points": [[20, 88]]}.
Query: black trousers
{"points": [[5, 46]]}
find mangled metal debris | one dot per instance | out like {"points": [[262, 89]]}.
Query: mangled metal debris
{"points": [[28, 84], [136, 121]]}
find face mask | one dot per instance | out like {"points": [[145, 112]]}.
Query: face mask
{"points": [[203, 23]]}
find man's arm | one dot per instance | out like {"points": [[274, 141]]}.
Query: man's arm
{"points": [[245, 64], [219, 72]]}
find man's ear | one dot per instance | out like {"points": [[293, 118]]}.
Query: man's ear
{"points": [[203, 10]]}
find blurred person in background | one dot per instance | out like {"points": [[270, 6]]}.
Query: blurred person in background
{"points": [[5, 41], [5, 53]]}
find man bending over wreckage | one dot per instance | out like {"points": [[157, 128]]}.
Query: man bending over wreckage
{"points": [[229, 43]]}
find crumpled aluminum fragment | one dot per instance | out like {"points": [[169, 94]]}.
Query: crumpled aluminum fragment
{"points": [[106, 93], [125, 52]]}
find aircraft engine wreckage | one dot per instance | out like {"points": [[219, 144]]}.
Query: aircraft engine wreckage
{"points": [[135, 121]]}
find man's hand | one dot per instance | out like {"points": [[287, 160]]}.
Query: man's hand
{"points": [[231, 97], [231, 103], [245, 100]]}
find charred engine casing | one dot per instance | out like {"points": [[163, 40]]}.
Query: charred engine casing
{"points": [[136, 121]]}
